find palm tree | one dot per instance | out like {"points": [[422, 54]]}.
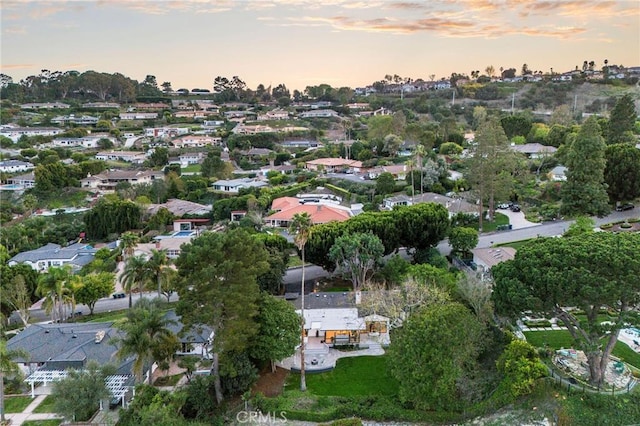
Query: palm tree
{"points": [[128, 242], [300, 227], [71, 286], [156, 267], [135, 272], [53, 287], [145, 330], [411, 163], [420, 153], [8, 366]]}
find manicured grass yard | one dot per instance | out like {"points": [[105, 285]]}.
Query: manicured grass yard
{"points": [[499, 219], [193, 168], [557, 339], [16, 404], [363, 375], [46, 406], [51, 422]]}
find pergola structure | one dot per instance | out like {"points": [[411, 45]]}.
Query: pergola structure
{"points": [[118, 384]]}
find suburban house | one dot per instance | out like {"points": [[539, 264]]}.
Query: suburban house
{"points": [[15, 133], [558, 174], [318, 113], [398, 171], [487, 258], [242, 129], [188, 158], [194, 342], [138, 115], [180, 208], [196, 141], [84, 142], [343, 326], [54, 348], [15, 166], [46, 105], [193, 114], [77, 255], [25, 181], [134, 157], [172, 244], [319, 211], [334, 165], [160, 132], [82, 120], [276, 114], [101, 105], [453, 205], [299, 144], [534, 150], [107, 180], [233, 186]]}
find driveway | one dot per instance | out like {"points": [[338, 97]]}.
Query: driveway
{"points": [[517, 220]]}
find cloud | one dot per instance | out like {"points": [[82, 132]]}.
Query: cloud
{"points": [[15, 30], [17, 66]]}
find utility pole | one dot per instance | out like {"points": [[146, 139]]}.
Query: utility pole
{"points": [[453, 99], [513, 101], [575, 103]]}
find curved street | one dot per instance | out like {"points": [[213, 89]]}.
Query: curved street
{"points": [[312, 272]]}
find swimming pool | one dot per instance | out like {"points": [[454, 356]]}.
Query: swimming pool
{"points": [[183, 234], [11, 187]]}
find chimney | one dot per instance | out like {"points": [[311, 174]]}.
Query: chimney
{"points": [[358, 297], [157, 244], [319, 207], [99, 336]]}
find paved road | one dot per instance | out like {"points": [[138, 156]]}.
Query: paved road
{"points": [[294, 276]]}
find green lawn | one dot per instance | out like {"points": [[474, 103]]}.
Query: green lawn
{"points": [[52, 422], [499, 219], [46, 406], [193, 168], [363, 375], [515, 244], [557, 339], [16, 404]]}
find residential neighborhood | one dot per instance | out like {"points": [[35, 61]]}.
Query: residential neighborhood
{"points": [[383, 253]]}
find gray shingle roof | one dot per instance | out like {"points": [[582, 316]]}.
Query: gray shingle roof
{"points": [[77, 254], [60, 346]]}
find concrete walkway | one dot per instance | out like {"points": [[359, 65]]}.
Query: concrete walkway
{"points": [[28, 414]]}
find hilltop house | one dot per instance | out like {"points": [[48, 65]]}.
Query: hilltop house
{"points": [[15, 133], [134, 157], [77, 255], [14, 166], [107, 180], [320, 211], [233, 186]]}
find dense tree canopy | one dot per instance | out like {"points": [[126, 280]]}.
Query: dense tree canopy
{"points": [[585, 191], [420, 226], [591, 271], [112, 217], [622, 121], [218, 287], [622, 172], [432, 353], [357, 256]]}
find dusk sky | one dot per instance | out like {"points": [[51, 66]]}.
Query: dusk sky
{"points": [[308, 42]]}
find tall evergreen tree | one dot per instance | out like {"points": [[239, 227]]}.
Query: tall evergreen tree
{"points": [[622, 172], [492, 165], [218, 287], [622, 120], [585, 191]]}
